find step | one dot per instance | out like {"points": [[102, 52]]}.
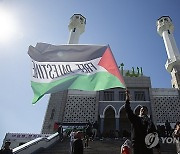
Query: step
{"points": [[106, 146]]}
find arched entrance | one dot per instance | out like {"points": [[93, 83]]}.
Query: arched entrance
{"points": [[124, 123], [109, 121]]}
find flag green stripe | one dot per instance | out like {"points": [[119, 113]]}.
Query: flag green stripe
{"points": [[95, 82]]}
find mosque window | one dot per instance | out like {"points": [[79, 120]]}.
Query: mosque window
{"points": [[108, 96], [122, 96], [23, 136], [18, 136], [74, 29], [139, 95]]}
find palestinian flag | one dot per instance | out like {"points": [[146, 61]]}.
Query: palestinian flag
{"points": [[81, 67]]}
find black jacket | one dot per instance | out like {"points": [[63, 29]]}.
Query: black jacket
{"points": [[6, 151], [77, 147], [139, 130]]}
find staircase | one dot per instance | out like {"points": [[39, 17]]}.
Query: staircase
{"points": [[107, 146], [58, 148], [95, 147]]}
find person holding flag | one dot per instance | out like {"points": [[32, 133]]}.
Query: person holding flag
{"points": [[142, 126]]}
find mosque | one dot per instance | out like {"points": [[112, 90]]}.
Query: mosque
{"points": [[107, 107], [76, 108]]}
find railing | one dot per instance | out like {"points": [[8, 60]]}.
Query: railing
{"points": [[34, 145]]}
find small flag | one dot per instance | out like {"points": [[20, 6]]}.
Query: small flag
{"points": [[80, 67]]}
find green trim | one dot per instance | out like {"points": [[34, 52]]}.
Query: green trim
{"points": [[95, 82]]}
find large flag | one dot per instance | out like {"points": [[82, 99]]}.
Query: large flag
{"points": [[81, 67]]}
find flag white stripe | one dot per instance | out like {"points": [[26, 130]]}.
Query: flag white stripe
{"points": [[46, 72]]}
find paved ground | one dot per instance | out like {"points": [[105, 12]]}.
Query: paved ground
{"points": [[104, 147]]}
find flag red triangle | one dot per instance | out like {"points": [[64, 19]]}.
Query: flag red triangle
{"points": [[108, 62]]}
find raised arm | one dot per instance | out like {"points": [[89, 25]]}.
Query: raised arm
{"points": [[131, 116]]}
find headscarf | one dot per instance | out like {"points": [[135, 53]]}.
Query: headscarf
{"points": [[146, 121]]}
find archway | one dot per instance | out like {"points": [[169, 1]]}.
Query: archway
{"points": [[109, 121]]}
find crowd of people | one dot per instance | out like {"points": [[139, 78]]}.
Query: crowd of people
{"points": [[141, 126], [88, 133], [165, 130], [79, 138]]}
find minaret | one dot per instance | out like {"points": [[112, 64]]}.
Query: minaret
{"points": [[57, 102], [165, 29], [76, 28]]}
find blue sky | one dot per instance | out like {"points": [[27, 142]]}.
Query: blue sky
{"points": [[129, 27]]}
